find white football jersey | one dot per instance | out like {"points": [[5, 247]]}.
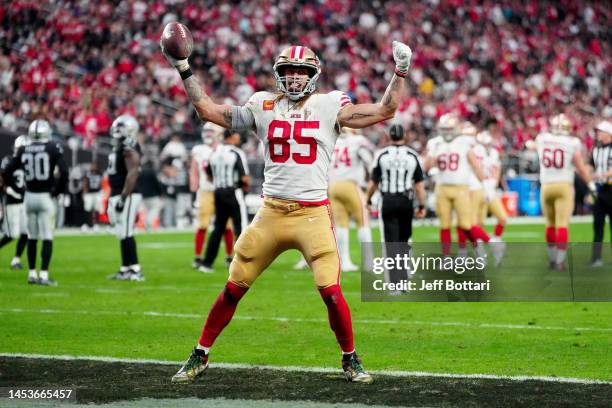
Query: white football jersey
{"points": [[490, 166], [298, 142], [555, 154], [452, 160], [201, 154], [432, 143], [352, 155], [480, 152]]}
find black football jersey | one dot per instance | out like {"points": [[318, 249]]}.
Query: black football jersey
{"points": [[94, 181], [38, 162], [117, 171], [16, 182]]}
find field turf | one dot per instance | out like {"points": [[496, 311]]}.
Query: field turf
{"points": [[282, 320]]}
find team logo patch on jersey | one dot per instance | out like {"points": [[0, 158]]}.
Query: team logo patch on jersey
{"points": [[268, 105]]}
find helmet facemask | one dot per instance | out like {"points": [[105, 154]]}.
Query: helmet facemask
{"points": [[447, 126], [298, 57]]}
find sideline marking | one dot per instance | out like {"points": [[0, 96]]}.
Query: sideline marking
{"points": [[390, 373], [312, 320]]}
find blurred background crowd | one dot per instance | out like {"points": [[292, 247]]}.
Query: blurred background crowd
{"points": [[504, 65]]}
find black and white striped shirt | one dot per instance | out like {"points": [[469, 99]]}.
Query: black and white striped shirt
{"points": [[226, 166], [396, 169], [602, 161]]}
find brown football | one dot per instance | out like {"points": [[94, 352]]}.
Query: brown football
{"points": [[177, 40]]}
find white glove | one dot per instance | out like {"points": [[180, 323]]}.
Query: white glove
{"points": [[180, 64], [489, 194], [402, 55]]}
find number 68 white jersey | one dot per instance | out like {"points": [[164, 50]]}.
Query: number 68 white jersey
{"points": [[555, 155], [452, 160], [298, 142]]}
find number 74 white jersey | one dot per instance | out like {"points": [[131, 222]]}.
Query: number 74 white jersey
{"points": [[555, 155], [298, 141]]}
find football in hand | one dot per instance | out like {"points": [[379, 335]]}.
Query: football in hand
{"points": [[177, 40]]}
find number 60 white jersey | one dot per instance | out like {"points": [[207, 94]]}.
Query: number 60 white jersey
{"points": [[298, 142], [555, 154]]}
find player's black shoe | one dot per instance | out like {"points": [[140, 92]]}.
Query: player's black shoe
{"points": [[353, 370], [136, 276], [47, 282], [196, 263], [32, 280], [16, 265], [193, 368], [228, 260], [120, 276]]}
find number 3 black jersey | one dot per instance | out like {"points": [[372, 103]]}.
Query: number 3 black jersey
{"points": [[38, 161], [117, 171], [16, 182]]}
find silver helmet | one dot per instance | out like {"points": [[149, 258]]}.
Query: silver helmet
{"points": [[39, 131], [21, 140], [124, 127]]}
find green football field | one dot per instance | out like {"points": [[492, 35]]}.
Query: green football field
{"points": [[282, 320]]}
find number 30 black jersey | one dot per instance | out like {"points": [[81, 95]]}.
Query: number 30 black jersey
{"points": [[38, 161]]}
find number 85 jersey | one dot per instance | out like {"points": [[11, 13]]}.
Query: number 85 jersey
{"points": [[555, 154], [298, 140]]}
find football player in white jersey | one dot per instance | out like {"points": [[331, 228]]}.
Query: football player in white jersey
{"points": [[492, 172], [456, 161], [477, 198], [298, 128], [199, 182], [560, 156]]}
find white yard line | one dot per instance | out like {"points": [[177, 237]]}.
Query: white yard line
{"points": [[314, 320], [391, 373]]}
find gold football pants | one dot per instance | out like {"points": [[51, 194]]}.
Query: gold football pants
{"points": [[280, 225], [347, 200], [557, 203], [457, 197]]}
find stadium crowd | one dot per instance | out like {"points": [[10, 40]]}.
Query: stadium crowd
{"points": [[508, 65]]}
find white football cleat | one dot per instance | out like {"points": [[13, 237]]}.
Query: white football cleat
{"points": [[301, 264]]}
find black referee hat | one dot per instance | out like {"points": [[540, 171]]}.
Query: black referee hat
{"points": [[396, 132]]}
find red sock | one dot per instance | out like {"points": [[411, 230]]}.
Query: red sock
{"points": [[339, 316], [229, 241], [551, 236], [461, 238], [445, 239], [221, 313], [477, 233], [562, 238], [200, 237], [499, 230]]}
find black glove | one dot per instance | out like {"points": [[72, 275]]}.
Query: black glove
{"points": [[120, 204]]}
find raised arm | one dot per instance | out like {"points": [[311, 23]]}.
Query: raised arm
{"points": [[207, 110], [367, 114]]}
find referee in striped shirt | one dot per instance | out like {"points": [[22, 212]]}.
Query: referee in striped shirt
{"points": [[228, 170], [602, 165], [397, 173]]}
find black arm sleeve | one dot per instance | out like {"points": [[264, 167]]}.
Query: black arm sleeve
{"points": [[240, 166], [418, 172], [62, 181], [376, 173]]}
